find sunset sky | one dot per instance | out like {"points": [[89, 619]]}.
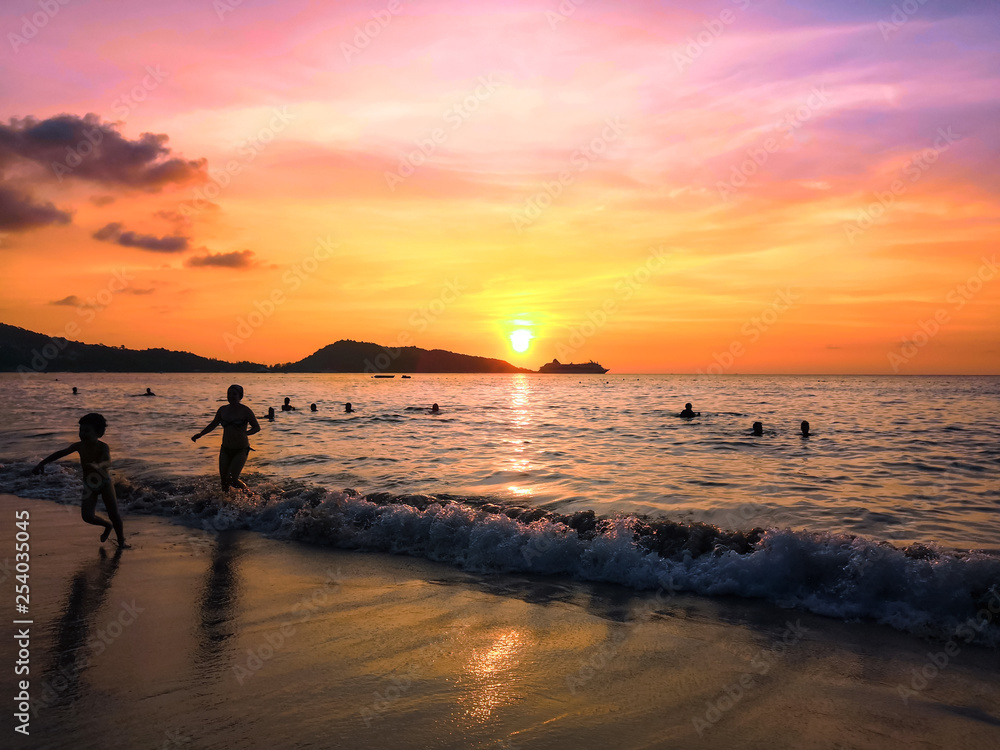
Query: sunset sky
{"points": [[726, 186]]}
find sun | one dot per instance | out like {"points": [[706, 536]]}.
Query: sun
{"points": [[520, 340]]}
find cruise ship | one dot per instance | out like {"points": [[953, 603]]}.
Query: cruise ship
{"points": [[555, 366]]}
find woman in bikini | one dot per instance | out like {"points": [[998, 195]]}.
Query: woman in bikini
{"points": [[234, 418]]}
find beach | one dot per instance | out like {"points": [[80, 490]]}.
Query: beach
{"points": [[232, 639]]}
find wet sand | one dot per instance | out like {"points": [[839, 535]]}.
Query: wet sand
{"points": [[202, 640]]}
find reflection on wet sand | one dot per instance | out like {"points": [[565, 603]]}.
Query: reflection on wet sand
{"points": [[218, 604], [76, 643], [492, 675]]}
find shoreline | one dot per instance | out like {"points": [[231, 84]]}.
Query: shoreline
{"points": [[237, 638]]}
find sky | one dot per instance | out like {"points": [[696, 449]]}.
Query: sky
{"points": [[733, 186]]}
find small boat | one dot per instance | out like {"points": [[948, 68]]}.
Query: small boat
{"points": [[383, 376], [555, 366], [405, 377]]}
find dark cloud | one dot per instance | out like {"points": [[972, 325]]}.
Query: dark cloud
{"points": [[86, 148], [70, 301], [18, 211], [113, 233], [239, 259]]}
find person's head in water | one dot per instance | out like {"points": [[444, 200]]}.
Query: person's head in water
{"points": [[149, 392], [435, 409], [687, 407], [234, 394], [74, 390], [270, 413], [348, 408], [312, 407], [805, 428], [758, 428], [287, 401]]}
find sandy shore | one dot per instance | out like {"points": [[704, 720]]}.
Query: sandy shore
{"points": [[233, 640]]}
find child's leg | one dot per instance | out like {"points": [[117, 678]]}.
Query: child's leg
{"points": [[87, 506], [111, 504]]}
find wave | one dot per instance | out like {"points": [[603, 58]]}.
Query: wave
{"points": [[920, 589]]}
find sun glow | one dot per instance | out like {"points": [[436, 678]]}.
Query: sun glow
{"points": [[520, 340]]}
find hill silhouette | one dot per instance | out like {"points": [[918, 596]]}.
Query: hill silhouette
{"points": [[359, 356], [26, 351]]}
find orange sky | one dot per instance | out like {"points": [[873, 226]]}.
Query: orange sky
{"points": [[721, 187]]}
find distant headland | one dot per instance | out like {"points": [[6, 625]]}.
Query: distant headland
{"points": [[29, 352]]}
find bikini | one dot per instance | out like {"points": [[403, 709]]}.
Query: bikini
{"points": [[228, 453]]}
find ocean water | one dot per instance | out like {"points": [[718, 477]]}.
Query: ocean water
{"points": [[888, 511]]}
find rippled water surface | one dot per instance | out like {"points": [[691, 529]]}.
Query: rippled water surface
{"points": [[897, 458]]}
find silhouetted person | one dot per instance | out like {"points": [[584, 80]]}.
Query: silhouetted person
{"points": [[312, 407], [348, 408], [148, 393], [270, 414], [74, 390], [805, 428], [687, 413], [287, 406], [435, 409], [95, 460], [758, 428], [234, 418]]}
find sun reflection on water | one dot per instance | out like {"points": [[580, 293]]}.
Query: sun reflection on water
{"points": [[519, 461]]}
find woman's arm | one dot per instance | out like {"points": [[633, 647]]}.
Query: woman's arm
{"points": [[252, 419], [211, 426], [40, 466]]}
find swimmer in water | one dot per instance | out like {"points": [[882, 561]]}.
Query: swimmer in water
{"points": [[758, 428], [348, 408], [312, 407], [74, 390], [234, 418], [805, 428], [687, 413], [287, 406], [435, 409], [148, 393], [270, 414]]}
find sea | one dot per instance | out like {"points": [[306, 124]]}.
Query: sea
{"points": [[888, 511]]}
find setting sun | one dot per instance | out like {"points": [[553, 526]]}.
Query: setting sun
{"points": [[520, 340]]}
